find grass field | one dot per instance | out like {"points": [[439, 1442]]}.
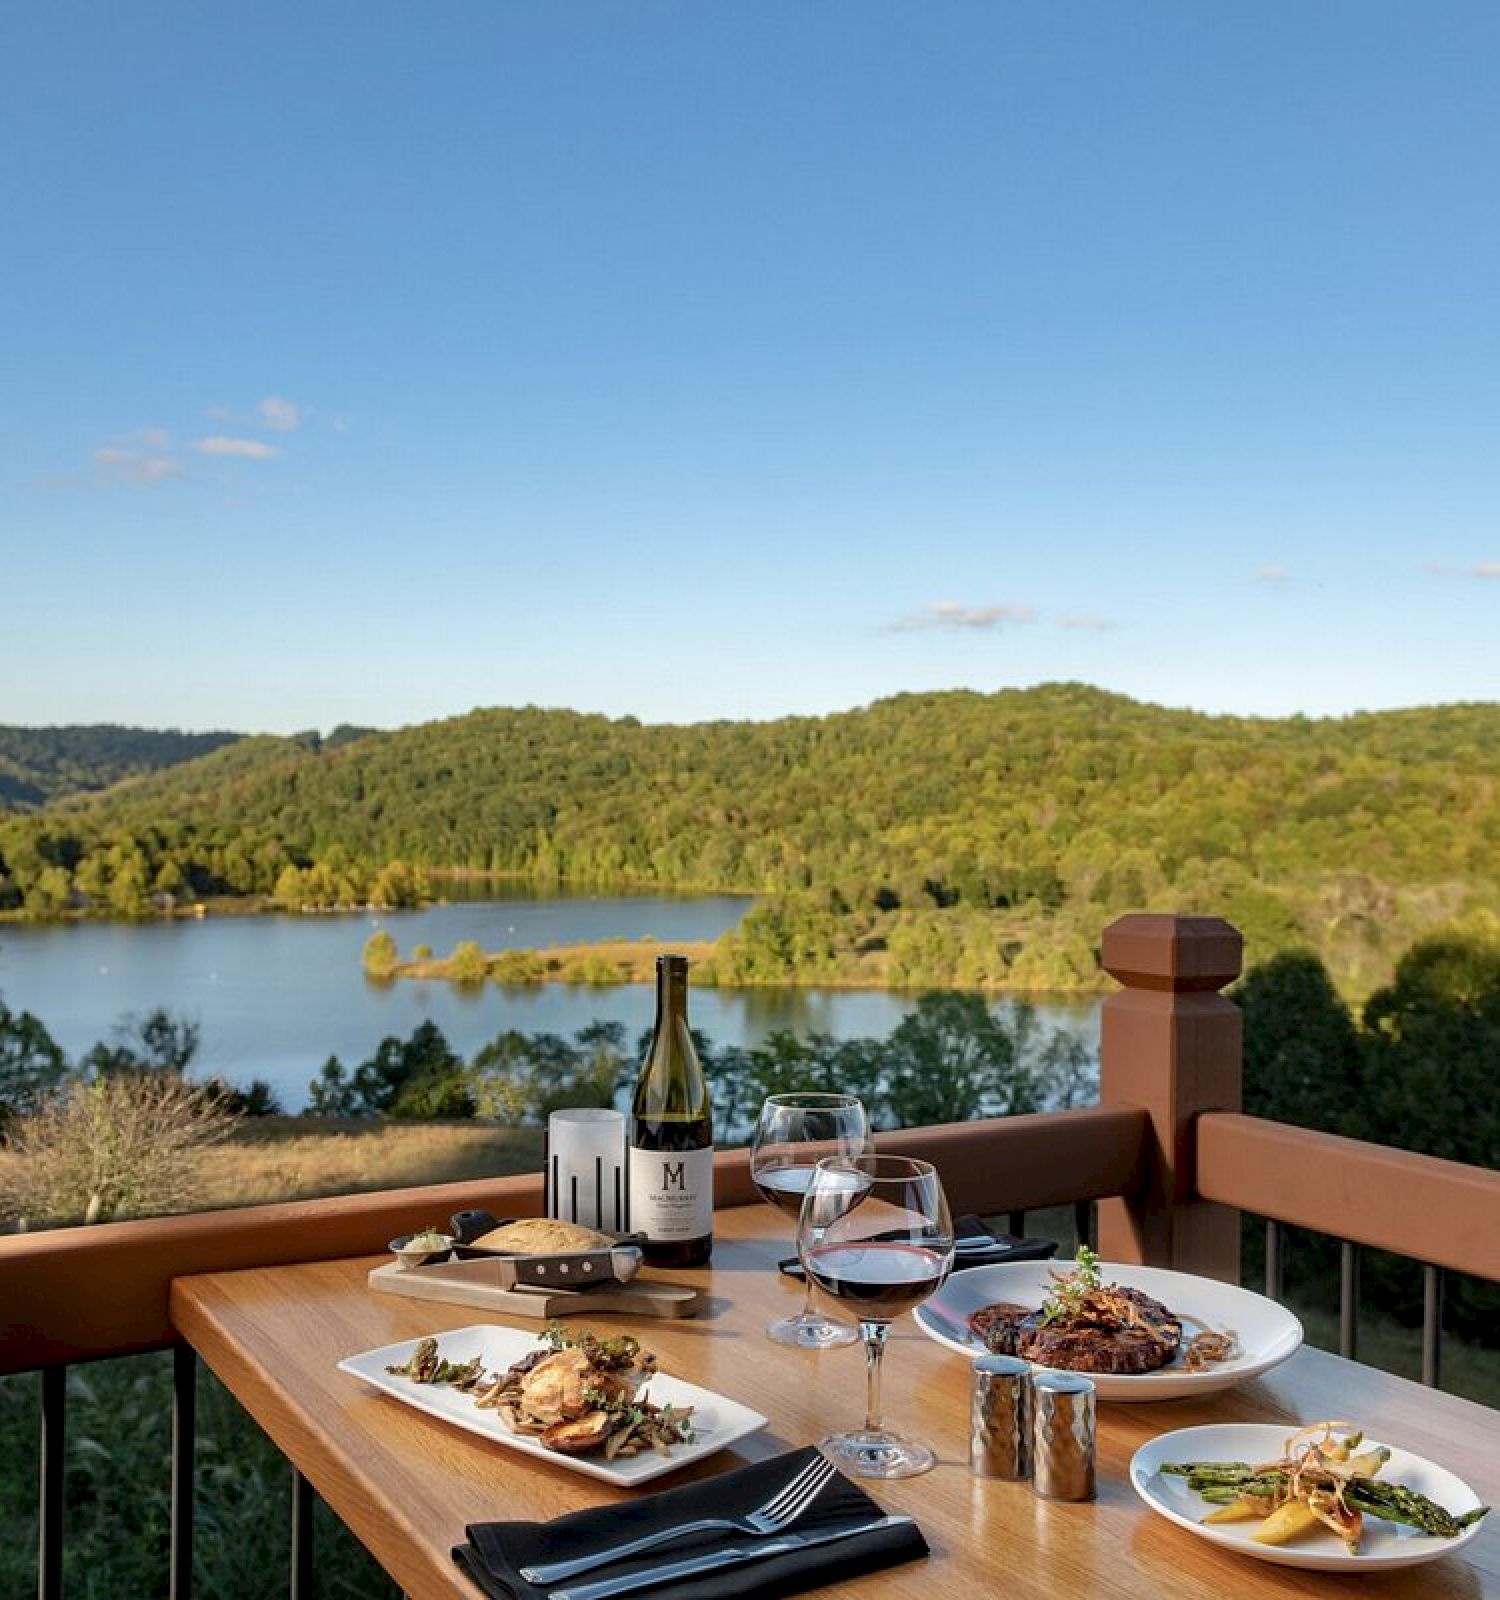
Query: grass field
{"points": [[292, 1158]]}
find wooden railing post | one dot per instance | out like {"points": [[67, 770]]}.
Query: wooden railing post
{"points": [[1170, 1044]]}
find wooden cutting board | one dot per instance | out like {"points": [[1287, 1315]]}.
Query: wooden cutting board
{"points": [[641, 1297]]}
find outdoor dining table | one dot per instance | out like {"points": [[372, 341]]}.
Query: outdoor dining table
{"points": [[407, 1483]]}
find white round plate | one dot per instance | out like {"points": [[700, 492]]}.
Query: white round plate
{"points": [[1382, 1544], [1266, 1332]]}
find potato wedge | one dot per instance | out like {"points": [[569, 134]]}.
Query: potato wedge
{"points": [[1286, 1523], [1237, 1511]]}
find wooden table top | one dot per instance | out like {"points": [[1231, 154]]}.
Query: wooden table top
{"points": [[407, 1484]]}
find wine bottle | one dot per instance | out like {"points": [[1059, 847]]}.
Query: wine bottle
{"points": [[671, 1157]]}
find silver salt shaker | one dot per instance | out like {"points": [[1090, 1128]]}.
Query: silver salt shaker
{"points": [[1063, 1436], [1000, 1418]]}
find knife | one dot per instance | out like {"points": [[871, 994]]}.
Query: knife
{"points": [[734, 1555], [578, 1269]]}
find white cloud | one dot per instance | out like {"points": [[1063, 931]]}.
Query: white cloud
{"points": [[121, 464], [1271, 573], [280, 414], [219, 444], [952, 617], [1479, 569]]}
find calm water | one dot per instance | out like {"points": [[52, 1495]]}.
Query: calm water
{"points": [[275, 995]]}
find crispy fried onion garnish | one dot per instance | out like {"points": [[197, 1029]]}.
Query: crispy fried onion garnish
{"points": [[1206, 1349]]}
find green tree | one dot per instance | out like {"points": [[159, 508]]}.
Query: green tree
{"points": [[154, 1043], [290, 891], [333, 1093], [398, 884], [31, 1065], [381, 957], [953, 1059], [468, 965], [1434, 1040], [419, 1077], [50, 893], [1303, 1062]]}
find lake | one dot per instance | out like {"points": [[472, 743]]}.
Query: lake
{"points": [[275, 995]]}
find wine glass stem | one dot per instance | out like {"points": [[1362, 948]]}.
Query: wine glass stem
{"points": [[809, 1310], [875, 1336]]}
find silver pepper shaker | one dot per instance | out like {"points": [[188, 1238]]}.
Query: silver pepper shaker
{"points": [[1063, 1436], [1000, 1418]]}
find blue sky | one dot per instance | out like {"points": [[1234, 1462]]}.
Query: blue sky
{"points": [[369, 362]]}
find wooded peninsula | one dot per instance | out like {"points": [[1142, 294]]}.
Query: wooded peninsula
{"points": [[929, 839]]}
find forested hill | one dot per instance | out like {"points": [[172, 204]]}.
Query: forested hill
{"points": [[42, 764], [987, 837]]}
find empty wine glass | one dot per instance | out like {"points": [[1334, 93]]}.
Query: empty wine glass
{"points": [[875, 1231], [792, 1134]]}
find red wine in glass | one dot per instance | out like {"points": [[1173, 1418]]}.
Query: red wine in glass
{"points": [[875, 1234], [792, 1134], [879, 1281], [785, 1187]]}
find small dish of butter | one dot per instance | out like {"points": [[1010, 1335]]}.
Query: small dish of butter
{"points": [[420, 1249]]}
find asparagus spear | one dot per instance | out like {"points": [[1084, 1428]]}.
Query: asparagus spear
{"points": [[1396, 1503], [1222, 1481]]}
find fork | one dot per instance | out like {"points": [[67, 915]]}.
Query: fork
{"points": [[779, 1512]]}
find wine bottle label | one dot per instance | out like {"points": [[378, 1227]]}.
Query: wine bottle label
{"points": [[672, 1193]]}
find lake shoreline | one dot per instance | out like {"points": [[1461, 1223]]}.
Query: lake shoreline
{"points": [[613, 963], [260, 905], [275, 996]]}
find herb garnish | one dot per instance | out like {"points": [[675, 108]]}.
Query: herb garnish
{"points": [[1072, 1288]]}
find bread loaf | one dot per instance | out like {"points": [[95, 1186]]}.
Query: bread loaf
{"points": [[541, 1236]]}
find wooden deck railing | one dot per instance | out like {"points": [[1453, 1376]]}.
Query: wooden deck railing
{"points": [[1435, 1211], [83, 1294], [1171, 1043], [1167, 1155]]}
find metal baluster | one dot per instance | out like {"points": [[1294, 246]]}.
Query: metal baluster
{"points": [[1274, 1269], [1083, 1222], [184, 1435], [1348, 1299], [302, 1537], [1017, 1223], [1432, 1326], [50, 1491]]}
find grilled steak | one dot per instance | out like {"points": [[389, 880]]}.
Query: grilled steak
{"points": [[1137, 1334], [997, 1326]]}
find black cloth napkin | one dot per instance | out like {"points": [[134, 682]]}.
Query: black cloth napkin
{"points": [[496, 1551], [1007, 1247]]}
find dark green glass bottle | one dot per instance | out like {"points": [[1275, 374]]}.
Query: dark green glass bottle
{"points": [[671, 1156]]}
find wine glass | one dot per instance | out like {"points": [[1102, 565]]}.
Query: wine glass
{"points": [[875, 1231], [792, 1134]]}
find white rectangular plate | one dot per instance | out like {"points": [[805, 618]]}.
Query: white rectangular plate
{"points": [[717, 1420]]}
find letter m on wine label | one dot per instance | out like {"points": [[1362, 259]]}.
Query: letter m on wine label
{"points": [[674, 1175]]}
